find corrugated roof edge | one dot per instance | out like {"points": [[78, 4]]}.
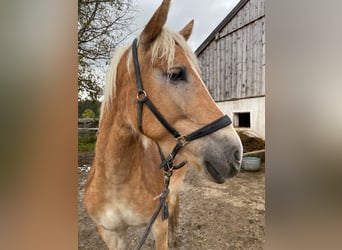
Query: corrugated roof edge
{"points": [[226, 20]]}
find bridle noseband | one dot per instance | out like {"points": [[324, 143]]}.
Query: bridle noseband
{"points": [[181, 140]]}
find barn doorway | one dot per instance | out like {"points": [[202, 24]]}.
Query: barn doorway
{"points": [[242, 119]]}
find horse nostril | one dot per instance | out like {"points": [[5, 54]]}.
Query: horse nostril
{"points": [[237, 155]]}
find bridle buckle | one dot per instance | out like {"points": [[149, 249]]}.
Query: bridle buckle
{"points": [[182, 140]]}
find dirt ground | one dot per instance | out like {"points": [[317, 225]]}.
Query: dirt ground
{"points": [[212, 216]]}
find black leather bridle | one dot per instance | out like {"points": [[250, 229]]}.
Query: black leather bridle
{"points": [[181, 140]]}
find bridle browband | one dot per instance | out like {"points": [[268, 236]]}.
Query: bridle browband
{"points": [[182, 140]]}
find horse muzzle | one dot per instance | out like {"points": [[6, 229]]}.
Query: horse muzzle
{"points": [[223, 160]]}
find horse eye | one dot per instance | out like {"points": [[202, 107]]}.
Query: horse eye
{"points": [[177, 74]]}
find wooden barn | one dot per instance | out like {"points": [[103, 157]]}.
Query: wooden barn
{"points": [[232, 60]]}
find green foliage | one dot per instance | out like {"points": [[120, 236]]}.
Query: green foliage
{"points": [[88, 113], [94, 105], [86, 143]]}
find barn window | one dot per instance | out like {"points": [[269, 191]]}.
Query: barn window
{"points": [[242, 119]]}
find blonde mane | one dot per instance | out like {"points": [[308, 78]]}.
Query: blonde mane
{"points": [[110, 83], [163, 48]]}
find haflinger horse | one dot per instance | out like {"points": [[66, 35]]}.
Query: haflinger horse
{"points": [[133, 138]]}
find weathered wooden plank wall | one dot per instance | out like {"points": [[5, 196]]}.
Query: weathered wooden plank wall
{"points": [[233, 63]]}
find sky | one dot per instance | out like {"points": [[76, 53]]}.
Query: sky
{"points": [[206, 13]]}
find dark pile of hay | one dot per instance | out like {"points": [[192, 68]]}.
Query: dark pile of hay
{"points": [[251, 143]]}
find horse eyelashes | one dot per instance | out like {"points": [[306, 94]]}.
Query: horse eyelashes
{"points": [[176, 74]]}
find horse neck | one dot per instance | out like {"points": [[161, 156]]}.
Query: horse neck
{"points": [[120, 152], [114, 140]]}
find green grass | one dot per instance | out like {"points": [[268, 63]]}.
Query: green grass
{"points": [[86, 143]]}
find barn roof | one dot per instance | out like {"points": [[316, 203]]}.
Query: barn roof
{"points": [[225, 21]]}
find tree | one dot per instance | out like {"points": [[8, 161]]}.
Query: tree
{"points": [[94, 105], [88, 113], [102, 26]]}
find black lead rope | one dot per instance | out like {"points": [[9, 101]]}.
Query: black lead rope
{"points": [[167, 162], [161, 206]]}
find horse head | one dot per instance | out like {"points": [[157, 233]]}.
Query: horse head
{"points": [[171, 78]]}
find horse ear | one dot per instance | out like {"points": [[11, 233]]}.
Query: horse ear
{"points": [[156, 23], [187, 30]]}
